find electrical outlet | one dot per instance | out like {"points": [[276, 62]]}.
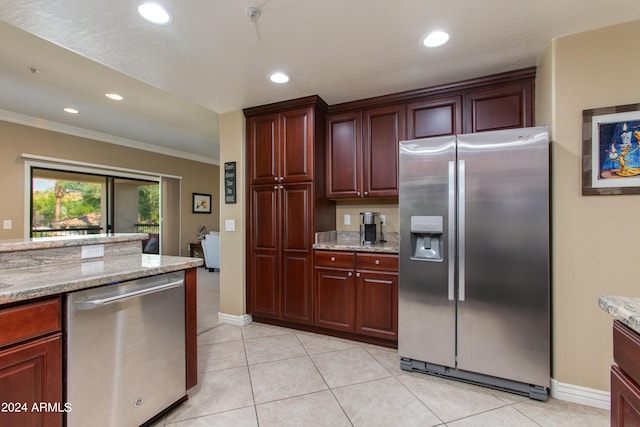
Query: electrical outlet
{"points": [[92, 251], [383, 219], [347, 219]]}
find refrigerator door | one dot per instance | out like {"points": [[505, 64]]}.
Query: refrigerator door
{"points": [[503, 307], [426, 303]]}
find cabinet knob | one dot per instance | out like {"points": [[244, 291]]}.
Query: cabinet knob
{"points": [[281, 179], [377, 262], [349, 274], [275, 187], [357, 274], [333, 259], [366, 193], [275, 178], [358, 193], [281, 187]]}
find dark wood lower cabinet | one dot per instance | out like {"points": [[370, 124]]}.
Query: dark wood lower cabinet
{"points": [[357, 293], [31, 364], [625, 377]]}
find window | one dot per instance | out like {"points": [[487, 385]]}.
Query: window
{"points": [[67, 202]]}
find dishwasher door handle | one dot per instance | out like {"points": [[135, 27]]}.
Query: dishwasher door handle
{"points": [[99, 302]]}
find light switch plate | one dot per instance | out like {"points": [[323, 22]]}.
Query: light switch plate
{"points": [[7, 224], [230, 225], [347, 219]]}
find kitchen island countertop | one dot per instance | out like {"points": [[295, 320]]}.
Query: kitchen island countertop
{"points": [[624, 309], [22, 284]]}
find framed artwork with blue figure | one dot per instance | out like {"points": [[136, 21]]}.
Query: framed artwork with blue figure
{"points": [[611, 150]]}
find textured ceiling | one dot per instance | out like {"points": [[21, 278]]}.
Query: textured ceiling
{"points": [[176, 79]]}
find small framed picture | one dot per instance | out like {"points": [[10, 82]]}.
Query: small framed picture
{"points": [[201, 203], [611, 150]]}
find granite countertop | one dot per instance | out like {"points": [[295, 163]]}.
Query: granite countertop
{"points": [[624, 309], [36, 243], [22, 284], [350, 241]]}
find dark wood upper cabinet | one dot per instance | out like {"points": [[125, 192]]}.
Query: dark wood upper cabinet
{"points": [[503, 107], [383, 129], [434, 117], [344, 163]]}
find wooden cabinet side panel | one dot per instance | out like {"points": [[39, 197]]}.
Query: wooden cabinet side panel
{"points": [[383, 129], [334, 299], [191, 325], [32, 373], [625, 400], [344, 146], [377, 304], [263, 149], [296, 152]]}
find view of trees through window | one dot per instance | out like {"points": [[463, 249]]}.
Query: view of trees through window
{"points": [[77, 203]]}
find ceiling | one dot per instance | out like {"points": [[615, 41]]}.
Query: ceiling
{"points": [[212, 59]]}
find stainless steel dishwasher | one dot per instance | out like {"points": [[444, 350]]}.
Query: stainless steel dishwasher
{"points": [[125, 351]]}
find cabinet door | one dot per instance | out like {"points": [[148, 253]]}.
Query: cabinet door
{"points": [[344, 155], [31, 373], [377, 304], [263, 279], [297, 254], [296, 145], [503, 107], [625, 400], [263, 151], [383, 129], [434, 117], [334, 299]]}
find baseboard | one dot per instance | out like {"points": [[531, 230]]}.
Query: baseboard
{"points": [[581, 395], [232, 319]]}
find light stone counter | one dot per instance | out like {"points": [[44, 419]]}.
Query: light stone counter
{"points": [[624, 309], [350, 241], [35, 268]]}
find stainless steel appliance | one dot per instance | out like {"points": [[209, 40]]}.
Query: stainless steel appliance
{"points": [[474, 258], [370, 227], [126, 351]]}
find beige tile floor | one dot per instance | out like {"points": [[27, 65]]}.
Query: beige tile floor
{"points": [[261, 375]]}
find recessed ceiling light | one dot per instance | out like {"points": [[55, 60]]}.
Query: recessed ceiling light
{"points": [[114, 96], [279, 77], [435, 39], [155, 13], [71, 110]]}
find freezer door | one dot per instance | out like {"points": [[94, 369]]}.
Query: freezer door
{"points": [[426, 303], [503, 309]]}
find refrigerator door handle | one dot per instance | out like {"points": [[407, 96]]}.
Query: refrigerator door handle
{"points": [[452, 230], [461, 229]]}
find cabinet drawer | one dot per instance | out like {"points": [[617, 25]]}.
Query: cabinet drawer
{"points": [[335, 259], [377, 262], [23, 322], [626, 350]]}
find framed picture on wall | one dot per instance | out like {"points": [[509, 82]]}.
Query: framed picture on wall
{"points": [[611, 150], [201, 203]]}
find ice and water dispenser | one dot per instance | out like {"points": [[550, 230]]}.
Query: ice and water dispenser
{"points": [[427, 238]]}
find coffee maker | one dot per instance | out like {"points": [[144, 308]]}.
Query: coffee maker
{"points": [[370, 227]]}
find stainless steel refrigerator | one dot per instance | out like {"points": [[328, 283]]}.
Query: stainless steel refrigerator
{"points": [[474, 294]]}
